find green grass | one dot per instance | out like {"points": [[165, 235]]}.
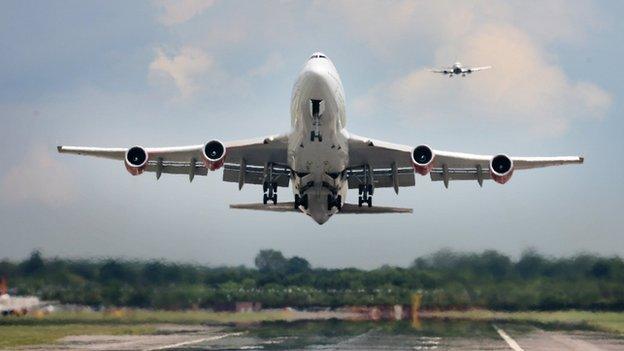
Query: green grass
{"points": [[12, 336], [130, 317], [604, 321]]}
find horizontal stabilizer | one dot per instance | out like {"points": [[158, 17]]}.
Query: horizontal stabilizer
{"points": [[346, 208], [280, 207], [355, 209]]}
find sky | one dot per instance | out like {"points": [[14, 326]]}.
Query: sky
{"points": [[166, 73]]}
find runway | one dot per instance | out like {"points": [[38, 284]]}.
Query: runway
{"points": [[339, 335]]}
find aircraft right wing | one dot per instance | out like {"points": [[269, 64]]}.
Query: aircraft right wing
{"points": [[394, 165]]}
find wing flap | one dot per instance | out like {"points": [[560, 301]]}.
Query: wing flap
{"points": [[382, 178], [255, 175]]}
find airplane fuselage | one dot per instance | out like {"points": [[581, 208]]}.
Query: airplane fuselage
{"points": [[318, 150]]}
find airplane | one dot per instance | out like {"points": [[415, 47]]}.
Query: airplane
{"points": [[458, 69], [319, 158]]}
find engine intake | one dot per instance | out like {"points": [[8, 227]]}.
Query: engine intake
{"points": [[422, 159], [136, 160], [501, 168], [213, 154]]}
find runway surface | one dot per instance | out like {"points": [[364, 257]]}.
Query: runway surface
{"points": [[363, 336]]}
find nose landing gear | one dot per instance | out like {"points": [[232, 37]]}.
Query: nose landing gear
{"points": [[316, 111]]}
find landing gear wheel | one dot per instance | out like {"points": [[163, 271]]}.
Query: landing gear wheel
{"points": [[330, 202], [297, 201], [275, 187], [370, 202], [274, 199], [301, 201], [360, 201], [265, 199], [370, 189], [339, 202], [265, 187], [360, 189]]}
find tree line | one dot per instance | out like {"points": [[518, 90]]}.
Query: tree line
{"points": [[445, 279]]}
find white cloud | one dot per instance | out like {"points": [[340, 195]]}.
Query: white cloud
{"points": [[525, 88], [179, 11], [39, 178], [184, 68]]}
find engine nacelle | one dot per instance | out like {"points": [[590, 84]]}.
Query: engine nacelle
{"points": [[213, 154], [501, 168], [422, 159], [136, 160]]}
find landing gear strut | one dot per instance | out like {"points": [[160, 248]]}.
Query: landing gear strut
{"points": [[366, 190]]}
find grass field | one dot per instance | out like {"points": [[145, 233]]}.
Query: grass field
{"points": [[20, 335], [604, 321]]}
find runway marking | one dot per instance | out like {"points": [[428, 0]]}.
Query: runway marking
{"points": [[511, 342], [216, 337]]}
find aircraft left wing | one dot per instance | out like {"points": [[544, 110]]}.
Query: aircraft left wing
{"points": [[242, 160], [393, 165], [442, 70]]}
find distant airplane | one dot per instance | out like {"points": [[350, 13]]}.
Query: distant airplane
{"points": [[458, 69], [318, 157]]}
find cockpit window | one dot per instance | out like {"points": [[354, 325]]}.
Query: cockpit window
{"points": [[318, 56]]}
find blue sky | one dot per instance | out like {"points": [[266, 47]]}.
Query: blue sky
{"points": [[161, 73]]}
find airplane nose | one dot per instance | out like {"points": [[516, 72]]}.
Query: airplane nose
{"points": [[316, 77]]}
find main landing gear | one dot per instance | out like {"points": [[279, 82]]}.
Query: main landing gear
{"points": [[301, 200], [366, 194], [270, 192], [334, 200], [366, 190], [269, 186]]}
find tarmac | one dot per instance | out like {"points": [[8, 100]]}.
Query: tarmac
{"points": [[363, 336]]}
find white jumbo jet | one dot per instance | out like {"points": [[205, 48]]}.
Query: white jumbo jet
{"points": [[458, 69], [319, 158]]}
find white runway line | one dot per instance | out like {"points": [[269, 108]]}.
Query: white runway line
{"points": [[511, 342], [197, 341]]}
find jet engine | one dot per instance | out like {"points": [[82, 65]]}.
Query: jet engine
{"points": [[136, 160], [213, 154], [501, 168], [422, 159]]}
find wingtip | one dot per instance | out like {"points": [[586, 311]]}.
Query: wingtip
{"points": [[59, 148], [581, 159]]}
